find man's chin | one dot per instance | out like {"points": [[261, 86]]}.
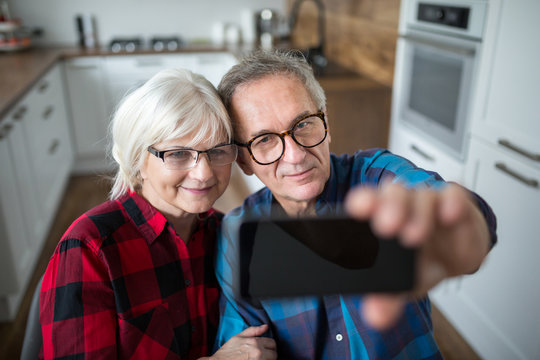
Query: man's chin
{"points": [[302, 193]]}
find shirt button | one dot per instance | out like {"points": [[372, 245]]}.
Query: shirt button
{"points": [[187, 282], [339, 337]]}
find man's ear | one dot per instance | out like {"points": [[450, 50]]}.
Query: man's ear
{"points": [[327, 126], [244, 162]]}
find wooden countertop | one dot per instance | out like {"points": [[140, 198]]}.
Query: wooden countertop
{"points": [[19, 71]]}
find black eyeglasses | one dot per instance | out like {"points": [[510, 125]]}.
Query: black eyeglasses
{"points": [[309, 131], [184, 159]]}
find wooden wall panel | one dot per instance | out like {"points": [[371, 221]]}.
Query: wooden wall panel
{"points": [[360, 34]]}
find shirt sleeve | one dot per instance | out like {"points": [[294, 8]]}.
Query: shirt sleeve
{"points": [[384, 166], [77, 307], [235, 313]]}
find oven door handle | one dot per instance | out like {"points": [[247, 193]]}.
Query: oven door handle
{"points": [[439, 45]]}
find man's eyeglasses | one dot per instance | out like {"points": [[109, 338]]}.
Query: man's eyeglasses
{"points": [[184, 159], [267, 148]]}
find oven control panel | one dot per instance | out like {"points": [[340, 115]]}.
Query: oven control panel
{"points": [[447, 15], [465, 18]]}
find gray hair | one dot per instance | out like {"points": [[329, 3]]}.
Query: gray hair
{"points": [[174, 103], [263, 63]]}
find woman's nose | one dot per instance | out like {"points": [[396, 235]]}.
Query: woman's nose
{"points": [[203, 168]]}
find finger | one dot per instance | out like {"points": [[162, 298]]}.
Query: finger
{"points": [[254, 331], [421, 222], [381, 311], [360, 202], [391, 210], [265, 354], [266, 343], [454, 204]]}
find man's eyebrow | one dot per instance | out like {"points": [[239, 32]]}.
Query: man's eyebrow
{"points": [[291, 123]]}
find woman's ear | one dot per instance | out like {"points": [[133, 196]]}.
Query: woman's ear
{"points": [[244, 162], [143, 171]]}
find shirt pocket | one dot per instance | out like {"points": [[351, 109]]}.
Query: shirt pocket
{"points": [[148, 336]]}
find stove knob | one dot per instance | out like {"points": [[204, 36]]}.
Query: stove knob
{"points": [[158, 45], [172, 45], [116, 47], [130, 47]]}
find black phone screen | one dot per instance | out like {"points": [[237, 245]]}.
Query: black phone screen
{"points": [[320, 256]]}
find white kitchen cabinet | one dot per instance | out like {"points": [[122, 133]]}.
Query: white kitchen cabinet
{"points": [[496, 309], [97, 84], [35, 157], [14, 232], [214, 65], [424, 154], [49, 140], [87, 101], [507, 112], [126, 73]]}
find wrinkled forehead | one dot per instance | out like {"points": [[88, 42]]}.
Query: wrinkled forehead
{"points": [[271, 103]]}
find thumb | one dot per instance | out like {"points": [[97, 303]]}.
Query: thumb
{"points": [[254, 331], [381, 311]]}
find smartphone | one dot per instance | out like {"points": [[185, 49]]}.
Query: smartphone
{"points": [[283, 257]]}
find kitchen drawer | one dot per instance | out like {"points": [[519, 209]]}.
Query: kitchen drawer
{"points": [[496, 309], [48, 138], [410, 145], [147, 65]]}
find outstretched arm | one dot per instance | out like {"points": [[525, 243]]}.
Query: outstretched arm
{"points": [[451, 229]]}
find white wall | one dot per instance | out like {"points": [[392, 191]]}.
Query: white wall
{"points": [[146, 18]]}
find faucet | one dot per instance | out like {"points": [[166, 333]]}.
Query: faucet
{"points": [[314, 55]]}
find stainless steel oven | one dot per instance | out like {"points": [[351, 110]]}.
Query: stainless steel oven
{"points": [[436, 62]]}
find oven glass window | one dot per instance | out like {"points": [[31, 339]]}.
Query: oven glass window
{"points": [[435, 87]]}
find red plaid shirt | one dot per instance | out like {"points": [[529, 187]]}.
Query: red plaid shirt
{"points": [[122, 284]]}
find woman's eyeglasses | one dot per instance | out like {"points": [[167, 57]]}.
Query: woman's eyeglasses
{"points": [[184, 159]]}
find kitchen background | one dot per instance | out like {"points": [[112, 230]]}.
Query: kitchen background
{"points": [[495, 310], [361, 34]]}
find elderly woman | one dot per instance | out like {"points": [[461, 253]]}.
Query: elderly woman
{"points": [[133, 277]]}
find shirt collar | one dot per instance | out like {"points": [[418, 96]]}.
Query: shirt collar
{"points": [[144, 216]]}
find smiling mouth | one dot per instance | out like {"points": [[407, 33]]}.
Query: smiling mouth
{"points": [[198, 190], [299, 175]]}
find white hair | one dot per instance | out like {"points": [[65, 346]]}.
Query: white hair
{"points": [[172, 104]]}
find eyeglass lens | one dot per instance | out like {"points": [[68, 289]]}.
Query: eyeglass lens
{"points": [[268, 148], [186, 159]]}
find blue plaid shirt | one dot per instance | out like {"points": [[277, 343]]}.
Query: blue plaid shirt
{"points": [[329, 327]]}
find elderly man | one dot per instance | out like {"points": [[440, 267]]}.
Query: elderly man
{"points": [[279, 113]]}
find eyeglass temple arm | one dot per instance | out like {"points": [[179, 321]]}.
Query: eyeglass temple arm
{"points": [[238, 143]]}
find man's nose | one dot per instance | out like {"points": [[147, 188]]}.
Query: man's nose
{"points": [[294, 153]]}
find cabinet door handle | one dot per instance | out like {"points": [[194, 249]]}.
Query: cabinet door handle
{"points": [[422, 153], [19, 114], [82, 67], [467, 51], [507, 144], [4, 131], [54, 146], [43, 86], [527, 181], [48, 111]]}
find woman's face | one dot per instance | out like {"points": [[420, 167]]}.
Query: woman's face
{"points": [[181, 192]]}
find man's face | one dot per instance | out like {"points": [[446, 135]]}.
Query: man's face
{"points": [[273, 104]]}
